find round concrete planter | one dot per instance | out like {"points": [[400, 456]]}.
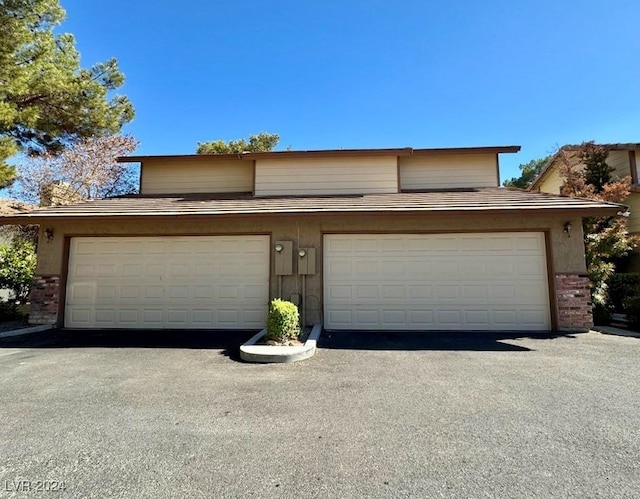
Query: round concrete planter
{"points": [[251, 352]]}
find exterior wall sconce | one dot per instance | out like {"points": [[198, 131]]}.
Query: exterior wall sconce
{"points": [[279, 248], [48, 232], [567, 229]]}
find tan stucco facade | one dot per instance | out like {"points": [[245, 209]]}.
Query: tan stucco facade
{"points": [[565, 254]]}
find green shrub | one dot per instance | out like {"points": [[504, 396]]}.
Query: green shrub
{"points": [[10, 311], [621, 287], [283, 322], [17, 266], [632, 309], [601, 314]]}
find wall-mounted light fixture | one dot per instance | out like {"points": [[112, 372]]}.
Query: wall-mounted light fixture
{"points": [[302, 252], [567, 229], [48, 232], [279, 248]]}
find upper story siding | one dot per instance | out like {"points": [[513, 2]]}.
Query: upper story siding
{"points": [[447, 171], [202, 175], [317, 176], [309, 173]]}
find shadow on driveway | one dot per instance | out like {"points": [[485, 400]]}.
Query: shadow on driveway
{"points": [[228, 341], [432, 340]]}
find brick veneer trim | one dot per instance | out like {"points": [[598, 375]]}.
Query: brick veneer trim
{"points": [[573, 293], [44, 298]]}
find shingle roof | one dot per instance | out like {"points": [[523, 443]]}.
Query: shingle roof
{"points": [[13, 206], [491, 200]]}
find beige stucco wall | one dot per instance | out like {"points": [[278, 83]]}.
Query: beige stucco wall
{"points": [[444, 171], [332, 175], [306, 231], [171, 176]]}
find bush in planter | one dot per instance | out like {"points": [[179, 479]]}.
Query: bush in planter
{"points": [[283, 323]]}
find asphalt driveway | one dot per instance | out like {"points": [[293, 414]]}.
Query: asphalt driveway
{"points": [[406, 415]]}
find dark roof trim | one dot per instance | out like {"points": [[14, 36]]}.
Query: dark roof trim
{"points": [[404, 151]]}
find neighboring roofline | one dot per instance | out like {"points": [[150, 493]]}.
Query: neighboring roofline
{"points": [[543, 173], [15, 206], [630, 146], [627, 146], [404, 151]]}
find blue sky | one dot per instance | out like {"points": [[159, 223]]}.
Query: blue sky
{"points": [[360, 74]]}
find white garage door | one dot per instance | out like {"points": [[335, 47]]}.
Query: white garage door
{"points": [[191, 282], [486, 281]]}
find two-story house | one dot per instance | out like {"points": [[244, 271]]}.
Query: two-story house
{"points": [[622, 158], [377, 239]]}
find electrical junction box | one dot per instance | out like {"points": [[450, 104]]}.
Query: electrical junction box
{"points": [[306, 261], [283, 251]]}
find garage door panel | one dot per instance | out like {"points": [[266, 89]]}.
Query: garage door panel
{"points": [[367, 292], [202, 317], [394, 318], [475, 292], [153, 316], [82, 292], [203, 292], [393, 293], [81, 316], [186, 282], [368, 317], [340, 292], [205, 269], [129, 317], [479, 318], [446, 292], [256, 293], [154, 292], [534, 318], [420, 292], [422, 318], [447, 318], [454, 281], [180, 292]]}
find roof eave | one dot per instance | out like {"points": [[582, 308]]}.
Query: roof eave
{"points": [[402, 151], [598, 211]]}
